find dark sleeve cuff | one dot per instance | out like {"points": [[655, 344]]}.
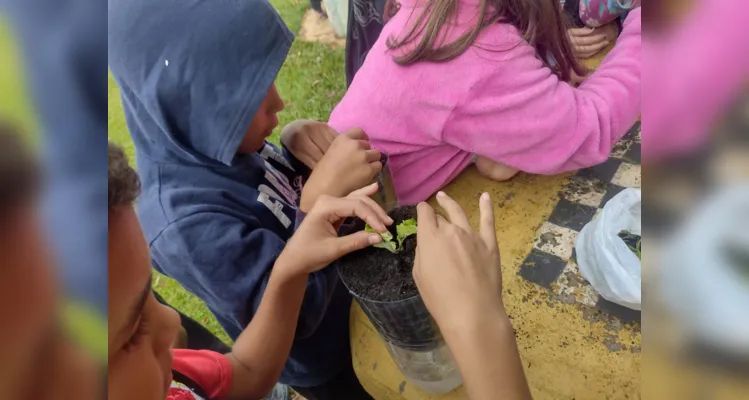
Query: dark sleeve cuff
{"points": [[300, 168]]}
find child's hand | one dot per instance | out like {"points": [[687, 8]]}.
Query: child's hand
{"points": [[308, 140], [350, 163], [316, 243], [576, 80], [459, 277], [586, 42], [457, 270], [610, 30]]}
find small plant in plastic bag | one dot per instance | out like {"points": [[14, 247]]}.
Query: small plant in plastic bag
{"points": [[634, 242], [605, 260]]}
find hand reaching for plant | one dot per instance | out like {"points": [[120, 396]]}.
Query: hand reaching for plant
{"points": [[308, 140], [457, 270], [350, 163], [458, 274], [316, 243]]}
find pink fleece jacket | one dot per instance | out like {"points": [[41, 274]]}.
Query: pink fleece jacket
{"points": [[496, 100], [692, 77]]}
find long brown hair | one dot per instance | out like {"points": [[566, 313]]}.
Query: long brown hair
{"points": [[542, 23]]}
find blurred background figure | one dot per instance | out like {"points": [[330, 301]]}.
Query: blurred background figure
{"points": [[316, 5], [696, 68], [38, 359], [55, 69], [63, 48], [365, 21], [695, 134]]}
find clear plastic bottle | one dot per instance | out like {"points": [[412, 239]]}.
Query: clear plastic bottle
{"points": [[415, 343]]}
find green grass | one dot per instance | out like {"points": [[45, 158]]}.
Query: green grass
{"points": [[15, 106], [311, 83]]}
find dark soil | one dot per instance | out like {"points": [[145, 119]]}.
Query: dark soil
{"points": [[579, 186], [377, 274]]}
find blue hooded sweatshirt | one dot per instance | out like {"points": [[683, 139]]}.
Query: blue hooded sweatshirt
{"points": [[192, 74]]}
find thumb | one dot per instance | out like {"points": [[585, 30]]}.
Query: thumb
{"points": [[355, 241], [356, 133]]}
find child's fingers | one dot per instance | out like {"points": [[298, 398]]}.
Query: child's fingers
{"points": [[376, 168], [330, 134], [353, 242], [322, 139], [365, 191], [426, 218], [442, 221], [373, 155], [590, 50], [307, 160], [314, 153], [381, 214], [362, 207], [588, 40], [454, 211], [486, 230], [580, 31]]}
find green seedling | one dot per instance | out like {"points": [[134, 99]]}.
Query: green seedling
{"points": [[633, 242], [404, 230], [387, 240]]}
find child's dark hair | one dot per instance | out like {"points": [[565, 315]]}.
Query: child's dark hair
{"points": [[19, 172], [124, 184], [541, 22]]}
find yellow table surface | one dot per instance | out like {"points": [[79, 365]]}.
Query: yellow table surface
{"points": [[566, 353]]}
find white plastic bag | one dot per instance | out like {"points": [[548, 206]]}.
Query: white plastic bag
{"points": [[604, 259], [699, 282]]}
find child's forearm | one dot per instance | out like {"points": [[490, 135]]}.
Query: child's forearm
{"points": [[487, 357], [259, 354]]}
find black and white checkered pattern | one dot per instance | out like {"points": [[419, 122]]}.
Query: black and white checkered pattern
{"points": [[551, 263]]}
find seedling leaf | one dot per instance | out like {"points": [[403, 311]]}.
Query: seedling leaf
{"points": [[404, 230], [387, 240], [389, 246]]}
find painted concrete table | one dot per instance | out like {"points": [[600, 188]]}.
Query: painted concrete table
{"points": [[573, 344]]}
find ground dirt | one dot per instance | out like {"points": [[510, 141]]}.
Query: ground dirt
{"points": [[316, 28]]}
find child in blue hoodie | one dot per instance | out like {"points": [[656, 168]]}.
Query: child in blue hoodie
{"points": [[219, 202]]}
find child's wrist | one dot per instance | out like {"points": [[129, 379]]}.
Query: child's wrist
{"points": [[310, 194], [286, 269], [471, 327]]}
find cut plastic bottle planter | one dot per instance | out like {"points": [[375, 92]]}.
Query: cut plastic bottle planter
{"points": [[408, 330]]}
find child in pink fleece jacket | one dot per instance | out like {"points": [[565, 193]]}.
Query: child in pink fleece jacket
{"points": [[496, 98]]}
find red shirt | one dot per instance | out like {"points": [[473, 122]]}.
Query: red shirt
{"points": [[209, 370]]}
